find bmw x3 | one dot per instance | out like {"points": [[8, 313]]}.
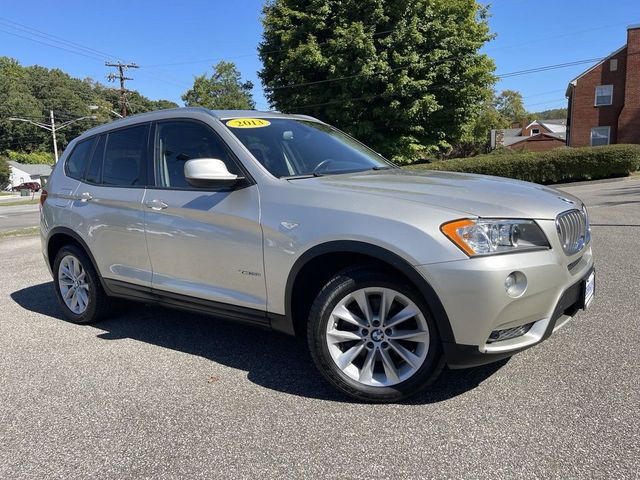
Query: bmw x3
{"points": [[284, 222]]}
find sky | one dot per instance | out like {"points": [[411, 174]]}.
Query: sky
{"points": [[174, 41]]}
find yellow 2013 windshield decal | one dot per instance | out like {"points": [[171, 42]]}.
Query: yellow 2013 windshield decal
{"points": [[248, 123]]}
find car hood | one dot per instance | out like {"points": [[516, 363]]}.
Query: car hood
{"points": [[477, 195]]}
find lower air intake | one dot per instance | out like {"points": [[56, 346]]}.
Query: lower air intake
{"points": [[509, 333]]}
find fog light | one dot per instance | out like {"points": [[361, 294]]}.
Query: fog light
{"points": [[508, 333], [515, 284]]}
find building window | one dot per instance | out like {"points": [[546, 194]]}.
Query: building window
{"points": [[613, 64], [535, 131], [604, 95], [600, 136]]}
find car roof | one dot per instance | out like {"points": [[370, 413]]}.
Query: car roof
{"points": [[168, 113]]}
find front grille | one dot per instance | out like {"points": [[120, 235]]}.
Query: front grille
{"points": [[572, 230]]}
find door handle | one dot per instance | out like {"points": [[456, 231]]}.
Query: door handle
{"points": [[85, 197], [156, 204]]}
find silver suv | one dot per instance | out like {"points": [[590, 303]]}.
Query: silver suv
{"points": [[284, 222]]}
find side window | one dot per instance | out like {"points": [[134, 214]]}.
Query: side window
{"points": [[600, 136], [94, 173], [604, 95], [179, 141], [125, 158], [77, 162]]}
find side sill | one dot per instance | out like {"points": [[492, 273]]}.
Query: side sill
{"points": [[224, 311]]}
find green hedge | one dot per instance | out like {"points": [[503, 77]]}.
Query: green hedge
{"points": [[553, 166], [31, 158]]}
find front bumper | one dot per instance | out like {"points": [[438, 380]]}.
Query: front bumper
{"points": [[474, 298], [571, 301]]}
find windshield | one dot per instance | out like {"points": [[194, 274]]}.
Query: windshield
{"points": [[288, 147]]}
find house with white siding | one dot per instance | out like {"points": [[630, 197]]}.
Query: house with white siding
{"points": [[24, 172]]}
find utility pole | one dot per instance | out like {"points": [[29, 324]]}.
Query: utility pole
{"points": [[52, 127], [53, 134], [121, 76]]}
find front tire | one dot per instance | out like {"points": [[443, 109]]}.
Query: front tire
{"points": [[372, 336], [77, 286]]}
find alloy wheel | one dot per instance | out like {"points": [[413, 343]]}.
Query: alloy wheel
{"points": [[72, 282], [377, 336]]}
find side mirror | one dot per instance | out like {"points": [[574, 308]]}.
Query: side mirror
{"points": [[208, 172]]}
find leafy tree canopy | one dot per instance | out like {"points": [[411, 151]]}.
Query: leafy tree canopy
{"points": [[223, 90], [5, 172], [475, 139], [511, 106], [404, 76], [554, 113], [30, 92]]}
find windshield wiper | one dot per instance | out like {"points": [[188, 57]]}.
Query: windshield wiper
{"points": [[382, 168], [339, 172], [302, 175]]}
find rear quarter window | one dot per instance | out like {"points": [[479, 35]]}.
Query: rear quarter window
{"points": [[77, 162], [94, 171]]}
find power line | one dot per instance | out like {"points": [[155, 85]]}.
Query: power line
{"points": [[112, 77], [444, 85], [69, 46], [539, 94], [548, 67], [48, 36], [504, 75], [243, 55], [253, 54], [50, 45], [546, 102]]}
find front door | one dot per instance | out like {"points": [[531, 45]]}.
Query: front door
{"points": [[202, 243]]}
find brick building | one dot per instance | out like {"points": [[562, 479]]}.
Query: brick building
{"points": [[604, 101]]}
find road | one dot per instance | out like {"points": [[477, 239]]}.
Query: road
{"points": [[18, 216], [154, 393]]}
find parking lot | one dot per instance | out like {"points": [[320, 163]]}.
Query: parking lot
{"points": [[155, 393]]}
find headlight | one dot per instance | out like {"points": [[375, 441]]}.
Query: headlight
{"points": [[492, 236]]}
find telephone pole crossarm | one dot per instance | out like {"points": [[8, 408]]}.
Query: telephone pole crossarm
{"points": [[112, 77]]}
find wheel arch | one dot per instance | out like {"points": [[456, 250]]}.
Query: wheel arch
{"points": [[343, 253], [61, 236]]}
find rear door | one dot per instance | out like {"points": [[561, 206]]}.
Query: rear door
{"points": [[107, 206], [204, 243]]}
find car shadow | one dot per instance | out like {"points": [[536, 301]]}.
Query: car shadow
{"points": [[271, 360]]}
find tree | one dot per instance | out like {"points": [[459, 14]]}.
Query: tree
{"points": [[476, 138], [31, 92], [17, 100], [404, 76], [5, 172], [552, 114], [224, 90], [511, 106]]}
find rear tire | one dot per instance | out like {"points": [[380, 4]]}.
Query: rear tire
{"points": [[372, 336], [78, 288]]}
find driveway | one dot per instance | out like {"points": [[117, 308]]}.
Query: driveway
{"points": [[154, 393]]}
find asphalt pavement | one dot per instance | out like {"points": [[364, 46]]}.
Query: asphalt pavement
{"points": [[155, 393], [15, 217]]}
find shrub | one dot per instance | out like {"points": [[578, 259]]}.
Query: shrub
{"points": [[553, 166], [32, 157]]}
